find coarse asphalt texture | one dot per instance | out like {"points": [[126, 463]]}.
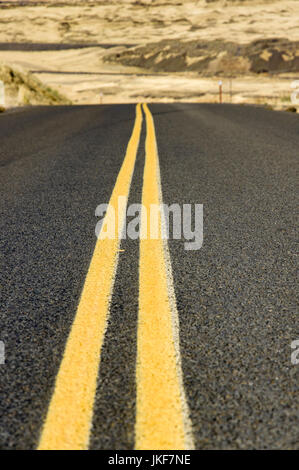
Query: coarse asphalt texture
{"points": [[236, 297]]}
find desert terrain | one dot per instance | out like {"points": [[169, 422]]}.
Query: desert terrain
{"points": [[164, 50]]}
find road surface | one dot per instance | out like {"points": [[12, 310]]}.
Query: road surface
{"points": [[123, 344]]}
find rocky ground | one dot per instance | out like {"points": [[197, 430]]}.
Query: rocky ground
{"points": [[210, 58]]}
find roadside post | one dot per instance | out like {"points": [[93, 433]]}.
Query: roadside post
{"points": [[2, 94], [220, 91], [2, 353]]}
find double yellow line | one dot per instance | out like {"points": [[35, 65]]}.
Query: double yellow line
{"points": [[162, 420]]}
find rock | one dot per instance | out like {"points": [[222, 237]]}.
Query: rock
{"points": [[213, 57]]}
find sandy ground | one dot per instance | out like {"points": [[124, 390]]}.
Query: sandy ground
{"points": [[140, 22], [84, 78], [90, 80]]}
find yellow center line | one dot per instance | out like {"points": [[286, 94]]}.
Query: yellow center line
{"points": [[69, 417], [162, 418]]}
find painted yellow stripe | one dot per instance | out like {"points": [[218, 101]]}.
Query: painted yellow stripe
{"points": [[162, 420], [69, 418]]}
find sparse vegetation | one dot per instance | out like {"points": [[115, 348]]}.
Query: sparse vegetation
{"points": [[291, 109], [285, 98], [24, 89]]}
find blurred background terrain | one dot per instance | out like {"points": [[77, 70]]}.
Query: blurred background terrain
{"points": [[155, 50]]}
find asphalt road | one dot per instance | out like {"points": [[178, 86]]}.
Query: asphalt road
{"points": [[48, 46], [236, 297]]}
